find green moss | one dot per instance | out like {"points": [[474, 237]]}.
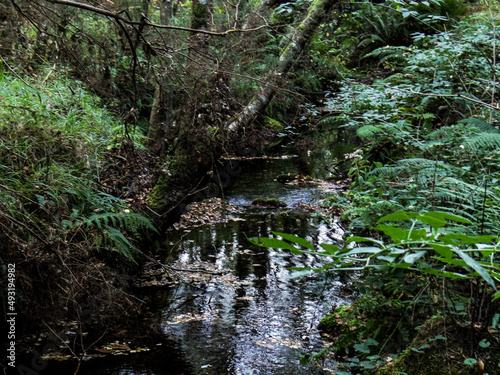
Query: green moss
{"points": [[157, 198]]}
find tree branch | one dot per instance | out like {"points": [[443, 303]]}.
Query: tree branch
{"points": [[144, 21]]}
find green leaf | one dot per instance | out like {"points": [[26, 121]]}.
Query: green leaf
{"points": [[41, 199], [446, 215], [363, 239], [484, 343], [275, 244], [362, 348], [442, 250], [368, 365], [450, 275], [418, 235], [434, 222], [397, 216], [460, 238], [397, 234], [476, 267], [371, 342], [361, 250], [494, 321], [329, 248], [416, 350], [298, 240], [470, 362], [413, 257]]}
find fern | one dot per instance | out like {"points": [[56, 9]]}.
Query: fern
{"points": [[485, 141], [129, 221], [423, 167], [119, 242], [331, 121], [112, 237], [397, 53], [480, 124], [369, 130]]}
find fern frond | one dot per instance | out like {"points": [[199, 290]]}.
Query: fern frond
{"points": [[130, 221], [421, 168], [480, 124], [330, 121], [119, 243], [389, 53], [485, 141], [369, 130]]}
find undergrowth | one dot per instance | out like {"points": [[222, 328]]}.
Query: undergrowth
{"points": [[69, 238]]}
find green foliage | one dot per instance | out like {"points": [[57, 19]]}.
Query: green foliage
{"points": [[420, 260], [52, 137]]}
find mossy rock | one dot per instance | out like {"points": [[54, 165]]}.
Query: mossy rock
{"points": [[268, 203]]}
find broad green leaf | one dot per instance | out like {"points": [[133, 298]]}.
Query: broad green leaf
{"points": [[434, 222], [460, 238], [416, 235], [298, 240], [442, 250], [368, 365], [361, 250], [470, 362], [413, 257], [41, 199], [329, 248], [363, 239], [450, 275], [362, 348], [484, 343], [371, 342], [446, 215], [397, 216], [476, 267], [275, 244], [397, 234], [494, 321], [386, 258]]}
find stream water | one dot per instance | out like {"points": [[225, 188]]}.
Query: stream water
{"points": [[253, 318]]}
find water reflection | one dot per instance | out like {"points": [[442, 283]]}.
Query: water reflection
{"points": [[254, 318], [261, 323]]}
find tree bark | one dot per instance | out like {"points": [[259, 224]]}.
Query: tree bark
{"points": [[301, 36]]}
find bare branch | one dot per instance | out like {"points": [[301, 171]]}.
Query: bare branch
{"points": [[145, 22]]}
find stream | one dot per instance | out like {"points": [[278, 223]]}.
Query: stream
{"points": [[252, 318]]}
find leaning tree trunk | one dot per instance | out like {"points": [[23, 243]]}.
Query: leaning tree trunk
{"points": [[302, 35], [197, 151]]}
